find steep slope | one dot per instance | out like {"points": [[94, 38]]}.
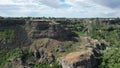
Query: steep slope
{"points": [[84, 55]]}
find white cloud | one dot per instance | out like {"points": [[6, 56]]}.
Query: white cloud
{"points": [[5, 2], [56, 8], [89, 8], [51, 3], [109, 3], [17, 2]]}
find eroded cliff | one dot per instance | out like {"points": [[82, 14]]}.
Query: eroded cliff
{"points": [[48, 41]]}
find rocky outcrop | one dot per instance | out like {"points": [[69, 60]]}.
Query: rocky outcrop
{"points": [[45, 50], [78, 60], [84, 56]]}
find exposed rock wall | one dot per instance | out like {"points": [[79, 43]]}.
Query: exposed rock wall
{"points": [[47, 29], [26, 30], [11, 22], [20, 38]]}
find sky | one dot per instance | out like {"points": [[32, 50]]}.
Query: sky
{"points": [[60, 8]]}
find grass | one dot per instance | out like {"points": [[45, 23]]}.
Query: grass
{"points": [[72, 47], [5, 56], [80, 33], [53, 65]]}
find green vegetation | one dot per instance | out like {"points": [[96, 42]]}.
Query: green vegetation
{"points": [[111, 58], [110, 32], [80, 33], [101, 31], [71, 48], [6, 56], [7, 35], [53, 65]]}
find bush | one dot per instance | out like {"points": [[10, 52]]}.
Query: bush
{"points": [[53, 65], [5, 56], [7, 35]]}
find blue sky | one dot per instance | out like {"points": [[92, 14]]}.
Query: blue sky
{"points": [[60, 8]]}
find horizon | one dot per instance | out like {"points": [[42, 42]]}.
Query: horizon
{"points": [[55, 17], [60, 8]]}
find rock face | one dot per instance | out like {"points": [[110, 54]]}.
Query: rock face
{"points": [[11, 22], [26, 30], [84, 56], [46, 50], [47, 29], [20, 38], [19, 34], [78, 60]]}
